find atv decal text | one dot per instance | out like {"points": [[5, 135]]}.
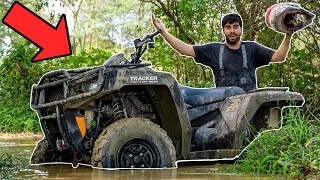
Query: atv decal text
{"points": [[144, 79]]}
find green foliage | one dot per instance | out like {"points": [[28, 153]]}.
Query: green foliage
{"points": [[8, 161], [17, 71], [93, 57], [292, 151], [16, 116], [5, 164]]}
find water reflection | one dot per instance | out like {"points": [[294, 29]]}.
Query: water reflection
{"points": [[83, 172], [22, 149]]}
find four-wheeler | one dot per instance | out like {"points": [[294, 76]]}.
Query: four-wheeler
{"points": [[124, 114]]}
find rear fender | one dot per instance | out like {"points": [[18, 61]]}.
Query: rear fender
{"points": [[238, 111]]}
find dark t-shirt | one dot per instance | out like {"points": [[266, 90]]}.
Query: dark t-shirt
{"points": [[257, 55]]}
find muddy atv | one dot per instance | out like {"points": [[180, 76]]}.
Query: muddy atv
{"points": [[124, 114]]}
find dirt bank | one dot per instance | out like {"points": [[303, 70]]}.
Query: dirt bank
{"points": [[20, 135]]}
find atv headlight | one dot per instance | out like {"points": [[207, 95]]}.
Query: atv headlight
{"points": [[89, 86]]}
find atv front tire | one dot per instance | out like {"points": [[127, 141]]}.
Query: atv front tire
{"points": [[40, 153], [133, 143]]}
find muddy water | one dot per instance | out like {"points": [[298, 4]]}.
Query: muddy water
{"points": [[21, 150]]}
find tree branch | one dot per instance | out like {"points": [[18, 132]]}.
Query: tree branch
{"points": [[176, 22]]}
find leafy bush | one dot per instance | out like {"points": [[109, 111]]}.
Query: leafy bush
{"points": [[292, 151]]}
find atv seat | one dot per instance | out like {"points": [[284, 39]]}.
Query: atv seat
{"points": [[201, 96]]}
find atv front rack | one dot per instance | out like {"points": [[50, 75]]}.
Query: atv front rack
{"points": [[54, 87]]}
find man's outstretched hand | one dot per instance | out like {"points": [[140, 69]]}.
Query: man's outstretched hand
{"points": [[157, 23]]}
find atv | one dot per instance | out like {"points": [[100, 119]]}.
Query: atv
{"points": [[124, 114]]}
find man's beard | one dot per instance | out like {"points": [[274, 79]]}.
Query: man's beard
{"points": [[235, 41]]}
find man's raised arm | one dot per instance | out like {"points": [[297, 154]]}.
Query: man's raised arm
{"points": [[281, 54], [177, 44]]}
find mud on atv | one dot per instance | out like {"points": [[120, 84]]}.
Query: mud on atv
{"points": [[124, 114]]}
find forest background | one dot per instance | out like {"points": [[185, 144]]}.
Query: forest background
{"points": [[101, 28]]}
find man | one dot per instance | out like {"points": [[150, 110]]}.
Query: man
{"points": [[233, 62]]}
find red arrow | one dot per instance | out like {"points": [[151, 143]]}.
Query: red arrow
{"points": [[53, 41]]}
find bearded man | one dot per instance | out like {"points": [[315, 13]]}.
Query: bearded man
{"points": [[233, 62]]}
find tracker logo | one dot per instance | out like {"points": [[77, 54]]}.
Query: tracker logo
{"points": [[144, 79]]}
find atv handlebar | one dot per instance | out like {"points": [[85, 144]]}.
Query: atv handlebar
{"points": [[138, 44], [148, 38], [156, 33]]}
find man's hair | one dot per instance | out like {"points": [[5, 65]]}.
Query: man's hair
{"points": [[231, 18]]}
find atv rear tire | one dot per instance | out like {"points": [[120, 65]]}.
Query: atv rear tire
{"points": [[133, 143], [40, 153]]}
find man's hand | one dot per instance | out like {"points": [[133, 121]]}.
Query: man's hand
{"points": [[158, 23]]}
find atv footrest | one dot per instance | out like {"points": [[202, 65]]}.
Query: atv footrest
{"points": [[54, 116], [214, 154]]}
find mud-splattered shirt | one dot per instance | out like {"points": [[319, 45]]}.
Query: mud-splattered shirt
{"points": [[257, 55]]}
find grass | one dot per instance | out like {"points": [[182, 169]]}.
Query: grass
{"points": [[16, 116], [293, 151]]}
